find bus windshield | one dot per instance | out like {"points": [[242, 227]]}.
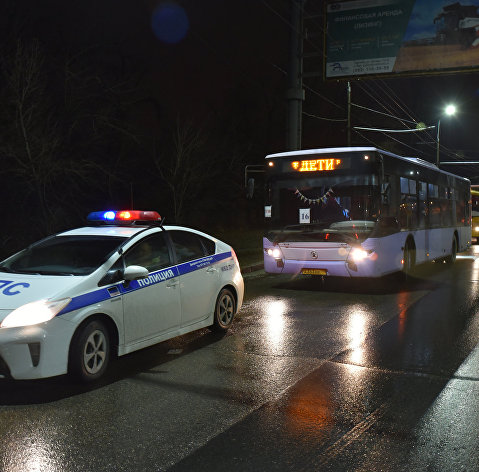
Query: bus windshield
{"points": [[330, 207]]}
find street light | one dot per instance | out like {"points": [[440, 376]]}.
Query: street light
{"points": [[449, 111]]}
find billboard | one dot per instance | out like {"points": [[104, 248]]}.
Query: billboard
{"points": [[389, 37]]}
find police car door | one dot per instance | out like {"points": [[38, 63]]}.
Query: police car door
{"points": [[151, 306], [199, 278]]}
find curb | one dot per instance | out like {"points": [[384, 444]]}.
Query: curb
{"points": [[252, 268]]}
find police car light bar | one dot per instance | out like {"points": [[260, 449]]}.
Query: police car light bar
{"points": [[123, 216]]}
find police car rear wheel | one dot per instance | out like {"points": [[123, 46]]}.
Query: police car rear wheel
{"points": [[224, 311], [90, 352]]}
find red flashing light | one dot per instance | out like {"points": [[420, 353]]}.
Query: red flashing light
{"points": [[137, 215]]}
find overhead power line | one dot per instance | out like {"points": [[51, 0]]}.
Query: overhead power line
{"points": [[323, 118], [415, 130], [382, 113], [390, 137], [460, 162]]}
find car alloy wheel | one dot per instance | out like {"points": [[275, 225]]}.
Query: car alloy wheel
{"points": [[90, 351], [95, 352], [225, 310]]}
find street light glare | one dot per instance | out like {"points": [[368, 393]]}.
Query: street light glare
{"points": [[450, 110]]}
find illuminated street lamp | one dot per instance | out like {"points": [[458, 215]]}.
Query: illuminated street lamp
{"points": [[449, 111]]}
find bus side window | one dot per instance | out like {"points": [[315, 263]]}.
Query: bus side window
{"points": [[422, 202], [461, 217], [434, 206], [408, 205]]}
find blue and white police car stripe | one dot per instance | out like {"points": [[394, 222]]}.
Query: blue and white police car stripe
{"points": [[98, 296]]}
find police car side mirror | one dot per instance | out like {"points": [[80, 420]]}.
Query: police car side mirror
{"points": [[135, 272], [111, 277]]}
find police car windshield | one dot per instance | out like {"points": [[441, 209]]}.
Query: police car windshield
{"points": [[63, 255]]}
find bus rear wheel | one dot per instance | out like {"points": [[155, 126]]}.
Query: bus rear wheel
{"points": [[452, 257]]}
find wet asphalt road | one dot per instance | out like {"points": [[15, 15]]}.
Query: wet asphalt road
{"points": [[346, 376]]}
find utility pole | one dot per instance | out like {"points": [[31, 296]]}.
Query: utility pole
{"points": [[349, 113], [437, 142], [295, 93]]}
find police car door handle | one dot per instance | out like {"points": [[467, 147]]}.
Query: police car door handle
{"points": [[210, 269]]}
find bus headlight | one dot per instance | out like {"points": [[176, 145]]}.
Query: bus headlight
{"points": [[275, 252], [358, 254], [476, 228]]}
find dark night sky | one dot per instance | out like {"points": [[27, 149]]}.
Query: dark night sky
{"points": [[227, 43], [226, 64], [224, 70]]}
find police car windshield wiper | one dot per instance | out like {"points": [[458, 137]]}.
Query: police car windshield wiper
{"points": [[18, 271], [32, 272], [51, 272]]}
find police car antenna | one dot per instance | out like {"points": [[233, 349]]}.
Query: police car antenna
{"points": [[159, 224]]}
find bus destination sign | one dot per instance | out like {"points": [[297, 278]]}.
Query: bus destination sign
{"points": [[317, 165]]}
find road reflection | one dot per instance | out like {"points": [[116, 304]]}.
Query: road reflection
{"points": [[309, 411], [275, 311], [31, 452], [356, 329]]}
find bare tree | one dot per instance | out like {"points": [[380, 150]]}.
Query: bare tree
{"points": [[186, 168], [30, 134], [62, 134]]}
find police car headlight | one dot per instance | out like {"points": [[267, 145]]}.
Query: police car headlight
{"points": [[34, 313]]}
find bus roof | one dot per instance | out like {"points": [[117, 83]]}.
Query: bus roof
{"points": [[306, 152], [322, 151]]}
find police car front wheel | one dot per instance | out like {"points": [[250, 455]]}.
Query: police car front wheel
{"points": [[225, 310], [90, 352]]}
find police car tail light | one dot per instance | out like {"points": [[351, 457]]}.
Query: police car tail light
{"points": [[34, 313], [235, 258], [110, 216]]}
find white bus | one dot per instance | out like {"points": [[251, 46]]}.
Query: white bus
{"points": [[361, 212]]}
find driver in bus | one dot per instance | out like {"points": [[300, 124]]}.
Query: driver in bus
{"points": [[331, 211]]}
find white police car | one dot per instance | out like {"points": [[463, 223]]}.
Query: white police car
{"points": [[70, 302]]}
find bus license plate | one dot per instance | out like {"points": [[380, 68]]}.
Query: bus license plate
{"points": [[314, 271]]}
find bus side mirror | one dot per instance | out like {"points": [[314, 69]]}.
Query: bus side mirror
{"points": [[250, 188], [385, 191]]}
